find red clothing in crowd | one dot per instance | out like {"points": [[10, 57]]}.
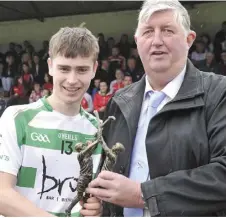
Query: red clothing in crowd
{"points": [[19, 90], [35, 96], [100, 101], [48, 86], [84, 103], [87, 102], [115, 86], [27, 77]]}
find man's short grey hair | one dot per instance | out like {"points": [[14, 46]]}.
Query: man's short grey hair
{"points": [[151, 6]]}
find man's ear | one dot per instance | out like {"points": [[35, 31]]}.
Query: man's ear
{"points": [[50, 66], [191, 38], [135, 39], [95, 69]]}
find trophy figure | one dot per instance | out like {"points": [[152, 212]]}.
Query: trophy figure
{"points": [[85, 151]]}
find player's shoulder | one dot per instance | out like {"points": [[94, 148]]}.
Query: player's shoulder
{"points": [[15, 110]]}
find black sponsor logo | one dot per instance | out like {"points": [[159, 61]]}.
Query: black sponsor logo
{"points": [[58, 184]]}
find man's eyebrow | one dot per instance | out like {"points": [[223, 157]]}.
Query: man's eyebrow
{"points": [[168, 25], [68, 66], [62, 65], [82, 66]]}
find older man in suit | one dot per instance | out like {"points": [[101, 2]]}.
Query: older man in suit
{"points": [[172, 124]]}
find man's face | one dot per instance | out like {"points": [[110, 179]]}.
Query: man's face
{"points": [[97, 83], [25, 68], [36, 59], [162, 43], [71, 77], [127, 81], [131, 63], [26, 43], [200, 47], [9, 60], [18, 49], [209, 57], [37, 87], [103, 87], [118, 75], [25, 58], [105, 64], [134, 52], [115, 52], [124, 38]]}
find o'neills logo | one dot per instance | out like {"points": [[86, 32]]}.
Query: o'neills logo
{"points": [[66, 136]]}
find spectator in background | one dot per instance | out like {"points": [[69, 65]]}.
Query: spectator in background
{"points": [[19, 93], [133, 70], [87, 103], [219, 40], [110, 45], [36, 93], [207, 42], [18, 88], [27, 76], [30, 50], [26, 58], [103, 46], [96, 87], [38, 69], [134, 54], [44, 52], [45, 93], [19, 53], [124, 46], [127, 80], [26, 43], [209, 64], [48, 82], [103, 73], [117, 59], [118, 83], [199, 54], [101, 98], [222, 65], [9, 72], [11, 50]]}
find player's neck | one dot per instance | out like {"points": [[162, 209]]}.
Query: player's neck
{"points": [[61, 107]]}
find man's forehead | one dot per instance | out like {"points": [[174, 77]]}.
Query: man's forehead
{"points": [[73, 62], [164, 17]]}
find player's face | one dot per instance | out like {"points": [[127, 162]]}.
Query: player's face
{"points": [[71, 77]]}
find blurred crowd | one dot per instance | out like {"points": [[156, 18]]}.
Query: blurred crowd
{"points": [[24, 74]]}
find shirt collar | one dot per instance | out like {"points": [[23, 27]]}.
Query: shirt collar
{"points": [[172, 88]]}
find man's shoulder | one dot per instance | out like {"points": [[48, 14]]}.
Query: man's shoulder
{"points": [[213, 80], [214, 86]]}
